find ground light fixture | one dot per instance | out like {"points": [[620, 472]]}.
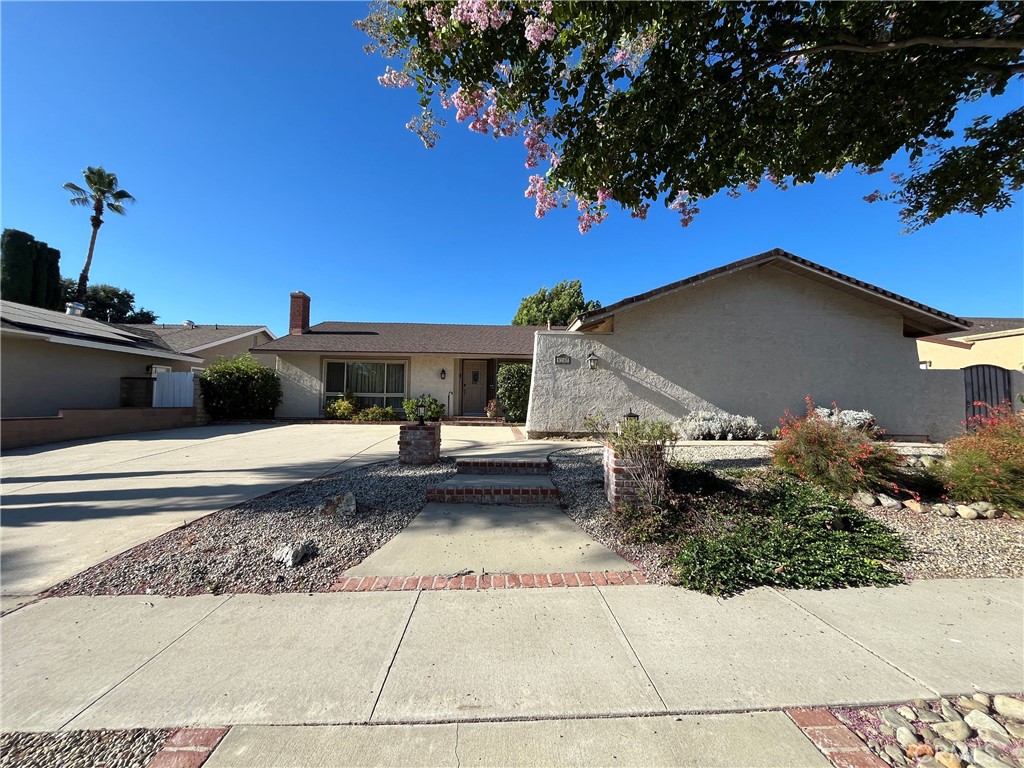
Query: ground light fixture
{"points": [[631, 417], [420, 410], [592, 361]]}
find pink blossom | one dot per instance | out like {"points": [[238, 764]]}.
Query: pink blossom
{"points": [[620, 56], [686, 207], [539, 30], [873, 197], [546, 198], [640, 212], [393, 78], [537, 148], [435, 15], [752, 185], [480, 14], [467, 104], [603, 195]]}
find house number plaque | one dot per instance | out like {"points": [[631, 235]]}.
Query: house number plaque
{"points": [[562, 360]]}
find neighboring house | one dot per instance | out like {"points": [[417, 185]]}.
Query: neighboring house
{"points": [[208, 342], [51, 361], [753, 338], [384, 363], [988, 341]]}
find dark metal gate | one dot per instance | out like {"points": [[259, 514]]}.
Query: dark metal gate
{"points": [[985, 384]]}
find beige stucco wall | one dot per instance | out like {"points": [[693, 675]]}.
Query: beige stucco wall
{"points": [[1005, 351], [231, 349], [752, 343], [38, 378], [425, 378]]}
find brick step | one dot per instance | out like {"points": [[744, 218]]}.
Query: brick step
{"points": [[474, 421], [492, 494], [502, 466], [489, 581]]}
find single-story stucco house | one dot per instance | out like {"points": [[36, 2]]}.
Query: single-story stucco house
{"points": [[384, 363], [207, 342], [753, 338], [988, 341]]}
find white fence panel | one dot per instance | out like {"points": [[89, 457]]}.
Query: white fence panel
{"points": [[173, 390]]}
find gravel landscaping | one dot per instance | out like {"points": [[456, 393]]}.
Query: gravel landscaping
{"points": [[231, 551], [979, 730], [80, 749]]}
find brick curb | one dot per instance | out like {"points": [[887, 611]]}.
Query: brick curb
{"points": [[488, 581], [839, 744], [187, 748]]}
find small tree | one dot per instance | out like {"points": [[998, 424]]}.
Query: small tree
{"points": [[560, 305], [514, 389], [240, 388], [109, 303]]}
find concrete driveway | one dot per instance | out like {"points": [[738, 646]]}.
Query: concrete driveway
{"points": [[70, 506]]}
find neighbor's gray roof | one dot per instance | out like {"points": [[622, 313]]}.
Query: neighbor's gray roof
{"points": [[184, 339], [58, 325], [980, 325], [409, 338], [920, 318]]}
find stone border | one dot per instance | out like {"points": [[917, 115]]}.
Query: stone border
{"points": [[187, 748], [488, 581], [839, 744]]}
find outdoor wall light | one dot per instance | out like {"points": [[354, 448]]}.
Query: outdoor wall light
{"points": [[443, 374], [420, 410], [592, 361]]}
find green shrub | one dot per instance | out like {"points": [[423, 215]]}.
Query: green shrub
{"points": [[376, 413], [240, 388], [339, 409], [789, 534], [514, 389], [840, 458], [987, 463], [433, 408]]}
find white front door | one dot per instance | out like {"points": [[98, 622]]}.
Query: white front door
{"points": [[474, 387]]}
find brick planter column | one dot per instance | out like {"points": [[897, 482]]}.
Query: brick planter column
{"points": [[202, 417], [619, 485], [419, 445]]}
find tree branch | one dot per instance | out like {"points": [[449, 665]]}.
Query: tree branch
{"points": [[880, 46]]}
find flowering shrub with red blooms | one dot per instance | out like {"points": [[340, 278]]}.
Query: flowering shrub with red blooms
{"points": [[987, 462], [830, 454]]}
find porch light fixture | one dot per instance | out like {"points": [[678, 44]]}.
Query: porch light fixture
{"points": [[592, 361], [631, 417], [924, 365], [420, 410], [443, 374]]}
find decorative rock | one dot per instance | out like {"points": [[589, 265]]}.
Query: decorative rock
{"points": [[928, 461], [895, 720], [907, 712], [955, 730], [928, 762], [348, 505], [949, 712], [983, 506], [293, 554], [865, 499], [966, 705], [920, 750], [927, 733], [1007, 706], [1016, 730], [991, 514], [985, 760], [888, 502], [906, 738], [943, 745], [927, 716], [914, 505], [966, 512], [982, 698], [964, 750], [948, 760], [896, 754], [886, 757], [980, 721], [992, 737], [944, 510], [887, 730]]}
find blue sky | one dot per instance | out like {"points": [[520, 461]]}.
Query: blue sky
{"points": [[266, 158]]}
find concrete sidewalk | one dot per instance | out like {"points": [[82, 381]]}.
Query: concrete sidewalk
{"points": [[70, 506], [473, 656]]}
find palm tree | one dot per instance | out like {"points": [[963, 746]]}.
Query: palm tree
{"points": [[102, 192]]}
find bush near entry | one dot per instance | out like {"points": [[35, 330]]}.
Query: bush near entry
{"points": [[514, 389], [240, 388]]}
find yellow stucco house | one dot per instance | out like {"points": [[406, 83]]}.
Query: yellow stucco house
{"points": [[989, 341]]}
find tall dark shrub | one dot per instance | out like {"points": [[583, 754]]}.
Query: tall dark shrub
{"points": [[29, 270], [514, 389], [240, 388]]}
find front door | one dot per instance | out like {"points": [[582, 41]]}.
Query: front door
{"points": [[474, 387]]}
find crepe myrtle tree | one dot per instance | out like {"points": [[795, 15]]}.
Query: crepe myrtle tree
{"points": [[637, 102]]}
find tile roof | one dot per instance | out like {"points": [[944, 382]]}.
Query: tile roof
{"points": [[409, 338], [57, 324], [185, 339], [925, 319], [980, 325]]}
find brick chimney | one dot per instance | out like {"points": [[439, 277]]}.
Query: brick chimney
{"points": [[298, 318]]}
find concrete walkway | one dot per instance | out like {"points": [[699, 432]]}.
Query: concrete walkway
{"points": [[69, 506], [547, 654]]}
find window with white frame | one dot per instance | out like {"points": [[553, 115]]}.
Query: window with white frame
{"points": [[371, 382]]}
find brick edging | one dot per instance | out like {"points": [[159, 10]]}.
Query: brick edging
{"points": [[488, 581], [187, 748], [842, 747]]}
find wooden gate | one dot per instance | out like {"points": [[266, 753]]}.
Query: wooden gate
{"points": [[987, 384], [173, 390]]}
